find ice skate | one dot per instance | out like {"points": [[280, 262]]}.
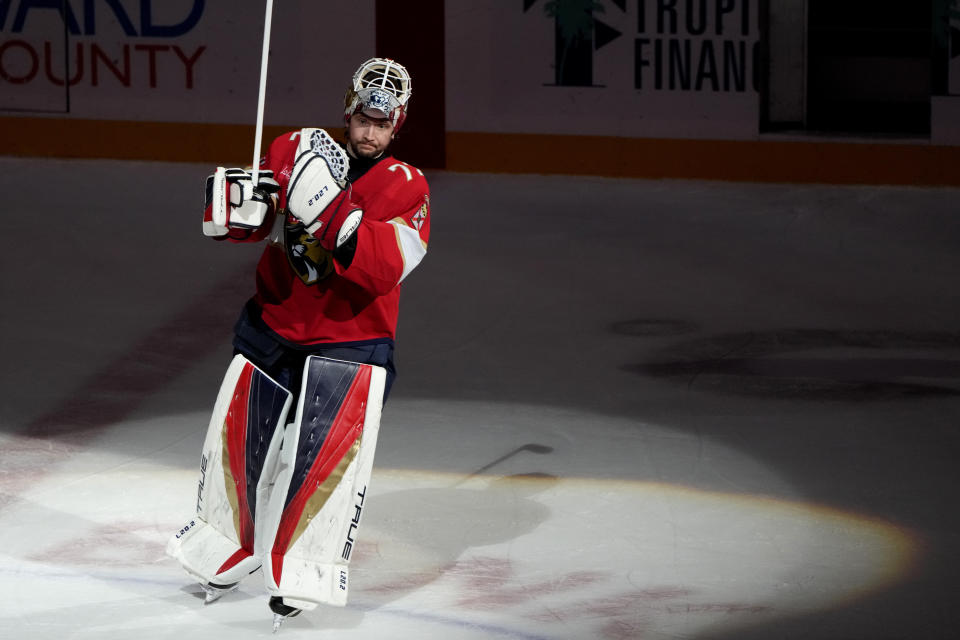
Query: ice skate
{"points": [[216, 591], [281, 612]]}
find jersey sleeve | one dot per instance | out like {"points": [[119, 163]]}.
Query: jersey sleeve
{"points": [[391, 240]]}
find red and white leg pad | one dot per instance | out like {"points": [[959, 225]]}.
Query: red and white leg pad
{"points": [[244, 435], [307, 531]]}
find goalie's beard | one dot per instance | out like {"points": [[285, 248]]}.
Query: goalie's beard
{"points": [[357, 153]]}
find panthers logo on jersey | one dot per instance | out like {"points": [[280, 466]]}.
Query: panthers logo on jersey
{"points": [[308, 259]]}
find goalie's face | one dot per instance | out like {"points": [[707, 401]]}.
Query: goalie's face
{"points": [[368, 136]]}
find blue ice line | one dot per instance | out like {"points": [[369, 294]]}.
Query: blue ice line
{"points": [[84, 575], [464, 624], [444, 620]]}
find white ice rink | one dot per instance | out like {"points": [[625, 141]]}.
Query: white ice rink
{"points": [[625, 410]]}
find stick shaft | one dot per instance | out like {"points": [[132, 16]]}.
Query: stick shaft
{"points": [[261, 98]]}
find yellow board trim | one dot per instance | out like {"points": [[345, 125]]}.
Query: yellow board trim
{"points": [[791, 161], [766, 160]]}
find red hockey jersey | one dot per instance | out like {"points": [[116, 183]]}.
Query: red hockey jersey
{"points": [[305, 295]]}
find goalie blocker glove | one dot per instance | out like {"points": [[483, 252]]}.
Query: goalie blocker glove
{"points": [[234, 203], [318, 194]]}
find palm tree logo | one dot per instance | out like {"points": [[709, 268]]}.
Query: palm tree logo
{"points": [[578, 33]]}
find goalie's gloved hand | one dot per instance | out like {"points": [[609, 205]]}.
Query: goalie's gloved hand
{"points": [[318, 194], [232, 201]]}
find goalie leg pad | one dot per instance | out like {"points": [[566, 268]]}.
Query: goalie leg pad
{"points": [[307, 531], [217, 545]]}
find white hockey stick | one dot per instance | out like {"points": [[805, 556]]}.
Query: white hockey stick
{"points": [[263, 92]]}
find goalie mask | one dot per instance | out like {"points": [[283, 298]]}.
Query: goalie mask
{"points": [[381, 86]]}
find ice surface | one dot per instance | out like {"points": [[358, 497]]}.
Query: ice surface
{"points": [[625, 409]]}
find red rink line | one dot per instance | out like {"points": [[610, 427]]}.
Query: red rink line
{"points": [[113, 392]]}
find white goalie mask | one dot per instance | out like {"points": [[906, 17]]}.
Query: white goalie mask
{"points": [[379, 85]]}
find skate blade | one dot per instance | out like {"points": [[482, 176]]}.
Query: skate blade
{"points": [[278, 618], [212, 594]]}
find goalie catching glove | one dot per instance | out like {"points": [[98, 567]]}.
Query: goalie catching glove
{"points": [[318, 194], [234, 202]]}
